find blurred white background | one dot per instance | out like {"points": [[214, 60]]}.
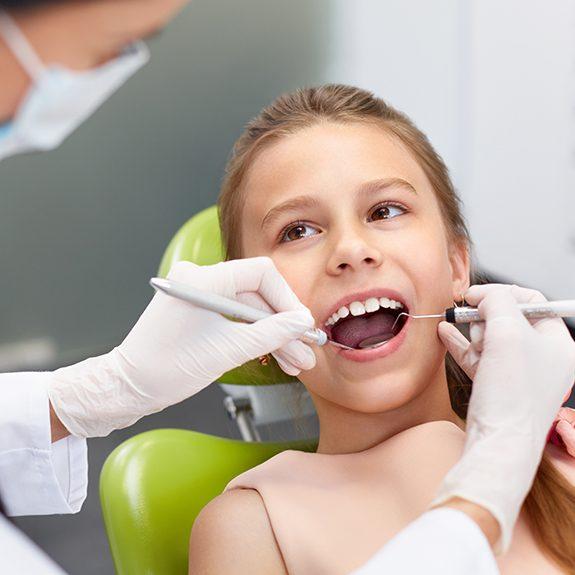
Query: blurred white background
{"points": [[492, 83]]}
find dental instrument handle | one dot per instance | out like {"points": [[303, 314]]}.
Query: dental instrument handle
{"points": [[225, 306], [535, 310]]}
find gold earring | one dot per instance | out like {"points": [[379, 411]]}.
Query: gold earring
{"points": [[461, 303], [264, 360]]}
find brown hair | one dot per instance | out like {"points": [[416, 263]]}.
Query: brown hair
{"points": [[550, 505]]}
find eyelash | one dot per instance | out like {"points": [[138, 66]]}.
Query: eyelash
{"points": [[291, 226]]}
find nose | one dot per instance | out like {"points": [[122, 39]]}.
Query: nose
{"points": [[353, 250]]}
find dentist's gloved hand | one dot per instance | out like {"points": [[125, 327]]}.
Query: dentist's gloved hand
{"points": [[176, 349], [523, 370]]}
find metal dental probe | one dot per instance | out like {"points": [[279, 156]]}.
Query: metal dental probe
{"points": [[535, 310], [232, 308]]}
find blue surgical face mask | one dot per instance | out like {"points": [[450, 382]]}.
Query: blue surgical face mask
{"points": [[59, 99], [5, 130]]}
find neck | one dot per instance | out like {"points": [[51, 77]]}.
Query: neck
{"points": [[345, 431]]}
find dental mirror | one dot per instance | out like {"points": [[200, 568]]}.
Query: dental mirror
{"points": [[374, 341]]}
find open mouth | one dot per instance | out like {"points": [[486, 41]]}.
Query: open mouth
{"points": [[363, 324]]}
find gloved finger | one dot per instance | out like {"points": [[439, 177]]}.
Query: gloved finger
{"points": [[496, 305], [549, 326], [254, 299], [215, 278], [272, 333], [452, 338], [295, 352], [261, 275], [459, 347], [287, 367], [567, 434], [187, 272], [476, 293], [256, 279], [566, 413], [476, 334], [298, 353]]}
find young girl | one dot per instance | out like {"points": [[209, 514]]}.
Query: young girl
{"points": [[358, 213]]}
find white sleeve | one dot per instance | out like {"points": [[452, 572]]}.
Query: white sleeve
{"points": [[19, 555], [441, 542], [37, 477]]}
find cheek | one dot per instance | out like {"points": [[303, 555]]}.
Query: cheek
{"points": [[427, 265], [298, 282], [297, 279]]}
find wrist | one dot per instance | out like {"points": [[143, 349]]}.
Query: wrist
{"points": [[57, 429], [495, 474], [92, 398]]}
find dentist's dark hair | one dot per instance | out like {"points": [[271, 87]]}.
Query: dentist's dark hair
{"points": [[550, 505]]}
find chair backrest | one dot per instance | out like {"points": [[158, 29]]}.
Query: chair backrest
{"points": [[153, 486]]}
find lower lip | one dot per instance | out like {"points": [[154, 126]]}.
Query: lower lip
{"points": [[386, 349]]}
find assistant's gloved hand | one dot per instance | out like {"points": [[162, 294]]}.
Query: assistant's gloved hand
{"points": [[176, 349], [523, 370], [562, 433]]}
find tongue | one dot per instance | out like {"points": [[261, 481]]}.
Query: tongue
{"points": [[367, 329]]}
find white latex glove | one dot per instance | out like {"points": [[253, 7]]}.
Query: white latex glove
{"points": [[176, 349], [522, 372]]}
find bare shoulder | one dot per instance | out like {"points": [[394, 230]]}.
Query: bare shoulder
{"points": [[233, 534], [437, 437], [418, 460], [440, 428]]}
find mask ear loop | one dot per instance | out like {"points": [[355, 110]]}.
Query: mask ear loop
{"points": [[20, 46]]}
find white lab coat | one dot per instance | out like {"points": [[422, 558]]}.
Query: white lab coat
{"points": [[38, 478], [443, 541], [19, 555]]}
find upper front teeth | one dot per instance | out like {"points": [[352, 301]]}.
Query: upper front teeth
{"points": [[359, 308]]}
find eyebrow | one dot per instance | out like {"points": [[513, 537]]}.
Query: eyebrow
{"points": [[366, 189]]}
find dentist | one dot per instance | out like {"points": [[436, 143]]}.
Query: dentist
{"points": [[59, 61]]}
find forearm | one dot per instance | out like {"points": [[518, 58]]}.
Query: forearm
{"points": [[57, 428]]}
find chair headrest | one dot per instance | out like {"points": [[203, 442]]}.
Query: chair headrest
{"points": [[199, 241]]}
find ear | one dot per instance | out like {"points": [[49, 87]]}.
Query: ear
{"points": [[460, 263]]}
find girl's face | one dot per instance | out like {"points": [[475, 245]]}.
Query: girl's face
{"points": [[347, 214]]}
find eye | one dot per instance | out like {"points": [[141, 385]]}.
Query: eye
{"points": [[387, 211], [295, 231]]}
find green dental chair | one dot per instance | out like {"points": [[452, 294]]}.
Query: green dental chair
{"points": [[153, 485]]}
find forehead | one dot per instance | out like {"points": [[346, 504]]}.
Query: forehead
{"points": [[326, 160]]}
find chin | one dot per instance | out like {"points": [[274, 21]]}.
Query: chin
{"points": [[376, 387], [381, 394]]}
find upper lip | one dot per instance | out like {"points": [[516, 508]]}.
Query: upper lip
{"points": [[362, 296]]}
